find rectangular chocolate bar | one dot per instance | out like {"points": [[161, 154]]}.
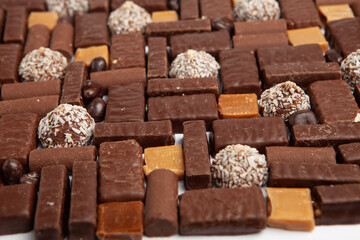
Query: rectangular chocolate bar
{"points": [[62, 39], [293, 174], [51, 205], [149, 5], [212, 42], [30, 5], [99, 6], [160, 87], [349, 153], [15, 26], [40, 158], [121, 178], [255, 132], [127, 51], [216, 8], [196, 155], [83, 208], [222, 211], [147, 134], [126, 103], [11, 55], [260, 27], [91, 30], [254, 41], [239, 72], [38, 36], [157, 64], [189, 9], [2, 22], [75, 75], [333, 2], [179, 109]]}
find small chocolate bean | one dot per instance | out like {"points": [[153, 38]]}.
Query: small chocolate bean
{"points": [[220, 23], [303, 117], [97, 65], [30, 178], [333, 56], [12, 170], [174, 5], [92, 90], [96, 109]]}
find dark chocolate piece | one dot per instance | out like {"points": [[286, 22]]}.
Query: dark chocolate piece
{"points": [[99, 6], [220, 23], [260, 27], [349, 153], [96, 109], [147, 134], [357, 93], [189, 9], [216, 8], [161, 207], [121, 178], [17, 208], [15, 26], [293, 174], [60, 156], [98, 64], [222, 211], [161, 87], [30, 178], [91, 90], [333, 56], [30, 5], [173, 5], [254, 41], [149, 5], [38, 36], [62, 39], [10, 59], [127, 51], [51, 206], [83, 208], [179, 109], [2, 22], [157, 66], [75, 75], [255, 132], [196, 155], [355, 6], [11, 171], [302, 117]]}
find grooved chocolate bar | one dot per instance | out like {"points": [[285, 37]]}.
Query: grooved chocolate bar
{"points": [[10, 58], [189, 9], [38, 36], [254, 41], [349, 153], [149, 5], [157, 66], [99, 5], [15, 25], [216, 8], [75, 75], [30, 5], [121, 178], [260, 27], [62, 39]]}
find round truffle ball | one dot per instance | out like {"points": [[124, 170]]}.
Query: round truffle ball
{"points": [[239, 166], [283, 99], [42, 64], [350, 69], [128, 18], [66, 126], [194, 64], [68, 8], [256, 10]]}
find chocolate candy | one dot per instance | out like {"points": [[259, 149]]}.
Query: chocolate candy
{"points": [[333, 56], [11, 171], [355, 7], [220, 23], [2, 22], [75, 75], [189, 9], [82, 220], [161, 217], [332, 2], [254, 41], [30, 178], [303, 117], [91, 90], [96, 109], [50, 209], [11, 53], [98, 64], [121, 177], [62, 39], [15, 26], [349, 153], [222, 211], [99, 5], [259, 27], [38, 36], [179, 109], [149, 5], [18, 207], [157, 58], [31, 5], [216, 8]]}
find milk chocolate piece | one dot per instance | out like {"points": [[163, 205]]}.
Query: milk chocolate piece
{"points": [[226, 212], [75, 75], [239, 72], [254, 41], [333, 2], [196, 155], [38, 36], [149, 5], [147, 134], [157, 66], [216, 8], [349, 153], [91, 30], [2, 22], [160, 87], [121, 177], [30, 5], [260, 27], [40, 158], [17, 208], [126, 103], [10, 59], [255, 132], [83, 208], [337, 204], [302, 117], [62, 39], [179, 109], [99, 6], [51, 209], [189, 9], [15, 26], [212, 42], [127, 51], [161, 217]]}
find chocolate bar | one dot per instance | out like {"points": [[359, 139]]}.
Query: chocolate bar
{"points": [[60, 156], [337, 204], [179, 109], [30, 89], [83, 208], [126, 103], [160, 87], [38, 36], [149, 5], [157, 66], [355, 7], [189, 9], [222, 211], [147, 134], [75, 75], [196, 155], [99, 6], [161, 217], [324, 135], [51, 205], [333, 2], [91, 30], [260, 27], [349, 153], [62, 39], [212, 42], [15, 25], [121, 177], [216, 8], [255, 132], [254, 41], [30, 5], [333, 101], [239, 72], [11, 55], [2, 22], [127, 51], [293, 174]]}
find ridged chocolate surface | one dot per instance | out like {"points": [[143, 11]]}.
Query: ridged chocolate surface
{"points": [[260, 27], [15, 25], [99, 5], [62, 39], [149, 5], [216, 8], [254, 41], [349, 153], [38, 36], [157, 58], [10, 56], [189, 9], [75, 75]]}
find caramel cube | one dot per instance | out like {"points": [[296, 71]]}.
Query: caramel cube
{"points": [[238, 106], [311, 35], [336, 12], [49, 19], [88, 54], [290, 208], [165, 16], [167, 157], [120, 220]]}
